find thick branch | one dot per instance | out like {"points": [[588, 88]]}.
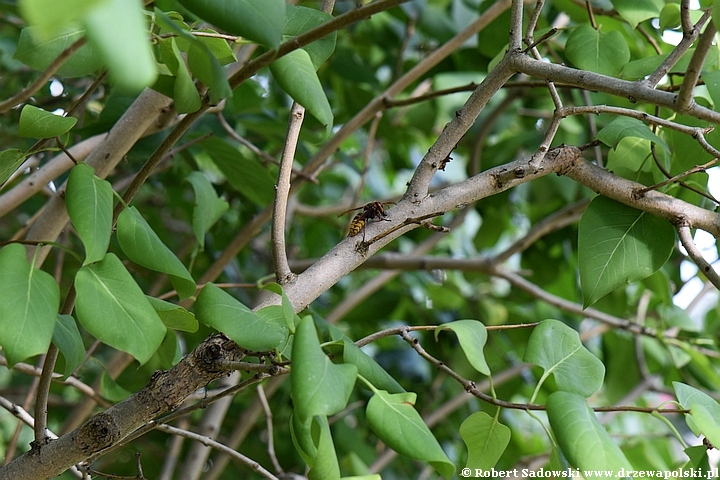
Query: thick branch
{"points": [[165, 391]]}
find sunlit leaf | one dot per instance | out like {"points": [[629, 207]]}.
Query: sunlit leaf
{"points": [[395, 421], [558, 350], [111, 306], [597, 51], [472, 337], [38, 123], [623, 127], [486, 440]]}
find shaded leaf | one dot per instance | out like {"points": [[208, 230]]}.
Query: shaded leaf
{"points": [[704, 417], [89, 203], [395, 421], [185, 94], [110, 389], [220, 310], [50, 16], [319, 387], [174, 316], [39, 53], [38, 123], [369, 368], [636, 11], [258, 20], [28, 307], [313, 439], [618, 244], [599, 52], [66, 337], [557, 349], [10, 161], [111, 306], [623, 127], [142, 245], [486, 440]]}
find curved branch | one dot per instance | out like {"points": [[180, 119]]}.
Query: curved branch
{"points": [[697, 257]]}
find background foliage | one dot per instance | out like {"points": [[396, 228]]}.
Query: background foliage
{"points": [[166, 133]]}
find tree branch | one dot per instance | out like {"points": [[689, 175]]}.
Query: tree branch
{"points": [[696, 256]]}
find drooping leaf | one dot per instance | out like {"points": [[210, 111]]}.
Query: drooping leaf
{"points": [[472, 337], [119, 31], [313, 440], [111, 390], [618, 244], [258, 20], [208, 206], [287, 311], [597, 51], [29, 304], [557, 349], [486, 440], [186, 96], [369, 368], [142, 245], [66, 337], [395, 421], [39, 53], [704, 417], [319, 387], [10, 161], [300, 20], [670, 16], [296, 75], [38, 123], [246, 176], [111, 306], [89, 203], [174, 316], [585, 443], [623, 127], [220, 310]]}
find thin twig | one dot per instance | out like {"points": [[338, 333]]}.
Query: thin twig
{"points": [[283, 274], [207, 441], [694, 253], [676, 178], [692, 73], [31, 89], [269, 426]]}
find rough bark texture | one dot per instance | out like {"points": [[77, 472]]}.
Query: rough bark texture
{"points": [[165, 392]]}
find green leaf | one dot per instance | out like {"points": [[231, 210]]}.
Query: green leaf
{"points": [[712, 82], [599, 52], [40, 53], [110, 389], [10, 161], [287, 311], [301, 19], [319, 387], [218, 309], [89, 203], [636, 11], [472, 337], [396, 422], [623, 127], [111, 306], [246, 176], [50, 16], [118, 30], [704, 417], [28, 307], [618, 244], [295, 73], [186, 96], [585, 442], [557, 349], [313, 439], [486, 440], [670, 16], [209, 207], [66, 337], [142, 245], [174, 316], [369, 369], [258, 20], [201, 59], [38, 123]]}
